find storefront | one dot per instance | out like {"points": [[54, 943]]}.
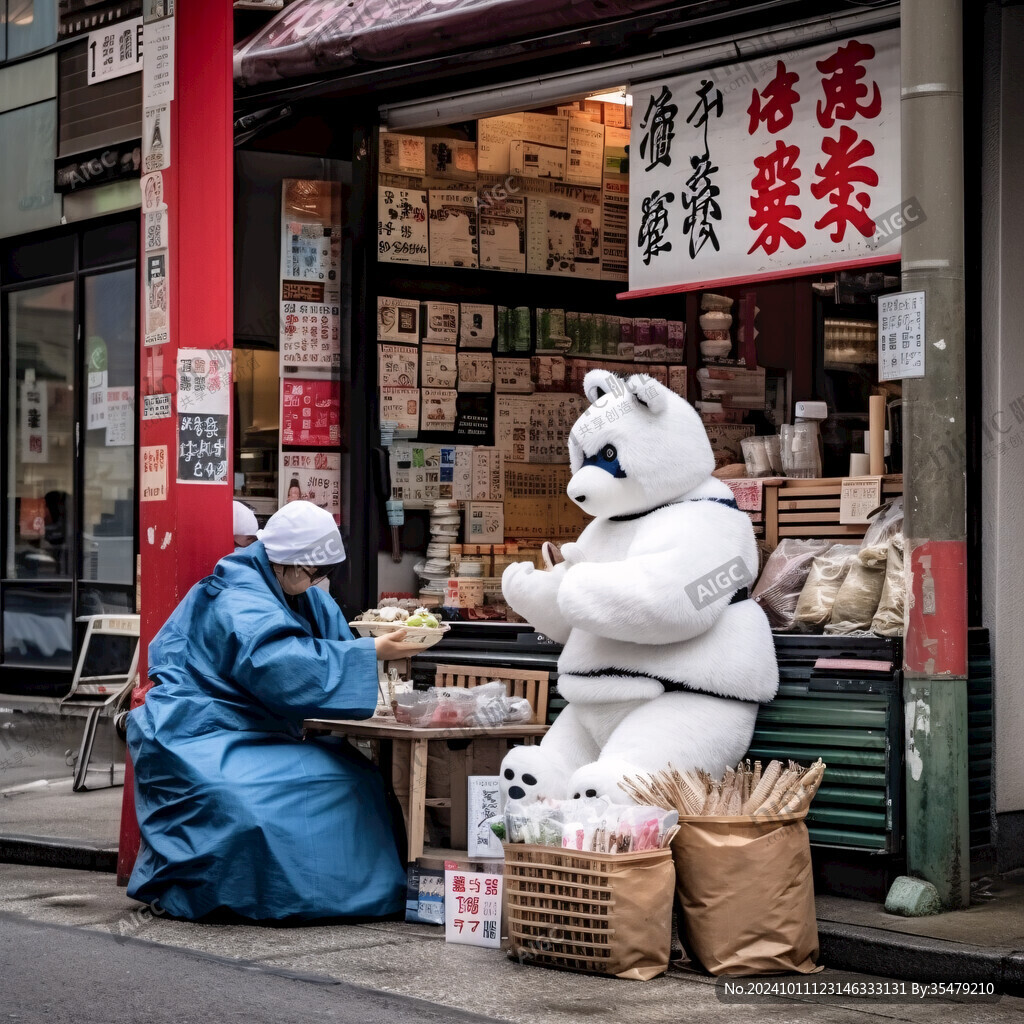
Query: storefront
{"points": [[467, 323], [70, 119]]}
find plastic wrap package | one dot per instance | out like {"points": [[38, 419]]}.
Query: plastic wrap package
{"points": [[784, 576], [888, 619], [445, 707], [814, 606]]}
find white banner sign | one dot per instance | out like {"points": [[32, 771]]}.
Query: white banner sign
{"points": [[768, 168], [114, 51]]}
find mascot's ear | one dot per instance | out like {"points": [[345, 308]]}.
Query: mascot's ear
{"points": [[649, 392], [598, 383]]}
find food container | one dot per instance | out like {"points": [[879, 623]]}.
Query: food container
{"points": [[715, 321], [715, 349], [425, 636], [721, 303]]}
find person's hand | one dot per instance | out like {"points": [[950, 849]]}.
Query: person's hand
{"points": [[390, 646]]}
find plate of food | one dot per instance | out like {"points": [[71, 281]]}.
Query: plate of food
{"points": [[421, 627]]}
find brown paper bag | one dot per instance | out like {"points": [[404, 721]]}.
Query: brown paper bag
{"points": [[747, 893], [601, 913]]}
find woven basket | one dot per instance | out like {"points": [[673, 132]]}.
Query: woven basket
{"points": [[599, 913]]}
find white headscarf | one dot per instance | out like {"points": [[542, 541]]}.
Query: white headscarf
{"points": [[243, 521], [302, 533]]}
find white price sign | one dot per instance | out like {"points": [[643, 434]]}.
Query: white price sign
{"points": [[114, 51], [901, 335]]}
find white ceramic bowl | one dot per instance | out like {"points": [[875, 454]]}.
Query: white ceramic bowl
{"points": [[425, 636]]}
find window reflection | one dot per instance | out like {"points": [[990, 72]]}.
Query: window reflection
{"points": [[37, 626], [108, 489], [41, 432], [31, 25]]}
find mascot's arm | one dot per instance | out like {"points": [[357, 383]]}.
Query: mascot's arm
{"points": [[668, 595], [533, 593]]}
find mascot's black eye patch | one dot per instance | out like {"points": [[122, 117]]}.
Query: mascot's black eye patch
{"points": [[608, 460]]}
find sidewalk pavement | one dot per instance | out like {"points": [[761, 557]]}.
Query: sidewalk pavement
{"points": [[43, 823]]}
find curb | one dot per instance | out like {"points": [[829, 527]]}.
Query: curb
{"points": [[918, 958], [44, 851]]}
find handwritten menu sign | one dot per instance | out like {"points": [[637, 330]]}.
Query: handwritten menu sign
{"points": [[204, 401], [859, 497], [472, 907], [310, 412], [154, 473]]}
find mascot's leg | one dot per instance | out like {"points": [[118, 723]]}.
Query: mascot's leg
{"points": [[687, 730], [544, 770]]}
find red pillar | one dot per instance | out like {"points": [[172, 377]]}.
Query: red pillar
{"points": [[191, 528]]}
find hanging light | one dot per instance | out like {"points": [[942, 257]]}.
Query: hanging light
{"points": [[21, 13]]}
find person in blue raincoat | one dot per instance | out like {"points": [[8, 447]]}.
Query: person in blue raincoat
{"points": [[236, 811]]}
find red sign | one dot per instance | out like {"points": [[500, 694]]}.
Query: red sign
{"points": [[311, 413]]}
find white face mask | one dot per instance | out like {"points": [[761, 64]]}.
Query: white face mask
{"points": [[293, 579]]}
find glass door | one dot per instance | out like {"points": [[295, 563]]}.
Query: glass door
{"points": [[108, 449], [41, 430]]}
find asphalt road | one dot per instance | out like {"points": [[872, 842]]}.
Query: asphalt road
{"points": [[56, 973]]}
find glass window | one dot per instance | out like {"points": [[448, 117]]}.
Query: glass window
{"points": [[31, 25], [3, 30], [108, 477], [37, 625], [27, 199], [41, 432]]}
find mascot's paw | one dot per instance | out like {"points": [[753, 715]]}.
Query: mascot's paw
{"points": [[602, 778], [527, 773]]}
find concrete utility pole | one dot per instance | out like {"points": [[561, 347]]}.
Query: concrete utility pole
{"points": [[934, 465]]}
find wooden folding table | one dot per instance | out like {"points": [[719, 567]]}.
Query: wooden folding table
{"points": [[410, 754]]}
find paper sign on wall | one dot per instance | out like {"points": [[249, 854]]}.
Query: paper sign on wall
{"points": [[158, 62], [901, 327], [312, 476], [156, 138], [858, 498], [204, 400], [120, 417], [153, 485], [114, 51], [157, 299]]}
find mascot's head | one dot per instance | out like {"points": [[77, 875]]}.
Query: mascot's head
{"points": [[638, 446]]}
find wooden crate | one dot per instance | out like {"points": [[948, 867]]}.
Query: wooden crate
{"points": [[810, 508]]}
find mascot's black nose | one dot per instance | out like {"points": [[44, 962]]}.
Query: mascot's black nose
{"points": [[516, 792], [580, 497]]}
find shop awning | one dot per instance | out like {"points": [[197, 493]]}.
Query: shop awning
{"points": [[312, 37]]}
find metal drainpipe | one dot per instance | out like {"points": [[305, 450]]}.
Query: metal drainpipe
{"points": [[935, 656]]}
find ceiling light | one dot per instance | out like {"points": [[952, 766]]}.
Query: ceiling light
{"points": [[618, 96]]}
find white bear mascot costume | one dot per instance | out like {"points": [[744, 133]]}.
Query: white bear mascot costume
{"points": [[658, 666]]}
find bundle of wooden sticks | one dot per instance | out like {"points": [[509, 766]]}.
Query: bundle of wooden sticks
{"points": [[743, 790]]}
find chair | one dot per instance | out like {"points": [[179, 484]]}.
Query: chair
{"points": [[105, 674], [533, 685]]}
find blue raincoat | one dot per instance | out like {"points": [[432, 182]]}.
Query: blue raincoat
{"points": [[236, 811]]}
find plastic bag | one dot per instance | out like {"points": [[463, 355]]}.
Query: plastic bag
{"points": [[888, 618], [814, 606], [858, 596], [493, 706], [886, 524], [784, 576]]}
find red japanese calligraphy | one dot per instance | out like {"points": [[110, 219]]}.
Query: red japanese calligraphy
{"points": [[490, 887], [469, 904], [779, 96], [458, 883], [844, 90], [836, 178], [774, 184]]}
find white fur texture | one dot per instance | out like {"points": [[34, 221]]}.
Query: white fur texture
{"points": [[619, 604]]}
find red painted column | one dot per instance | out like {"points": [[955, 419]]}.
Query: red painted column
{"points": [[182, 537]]}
